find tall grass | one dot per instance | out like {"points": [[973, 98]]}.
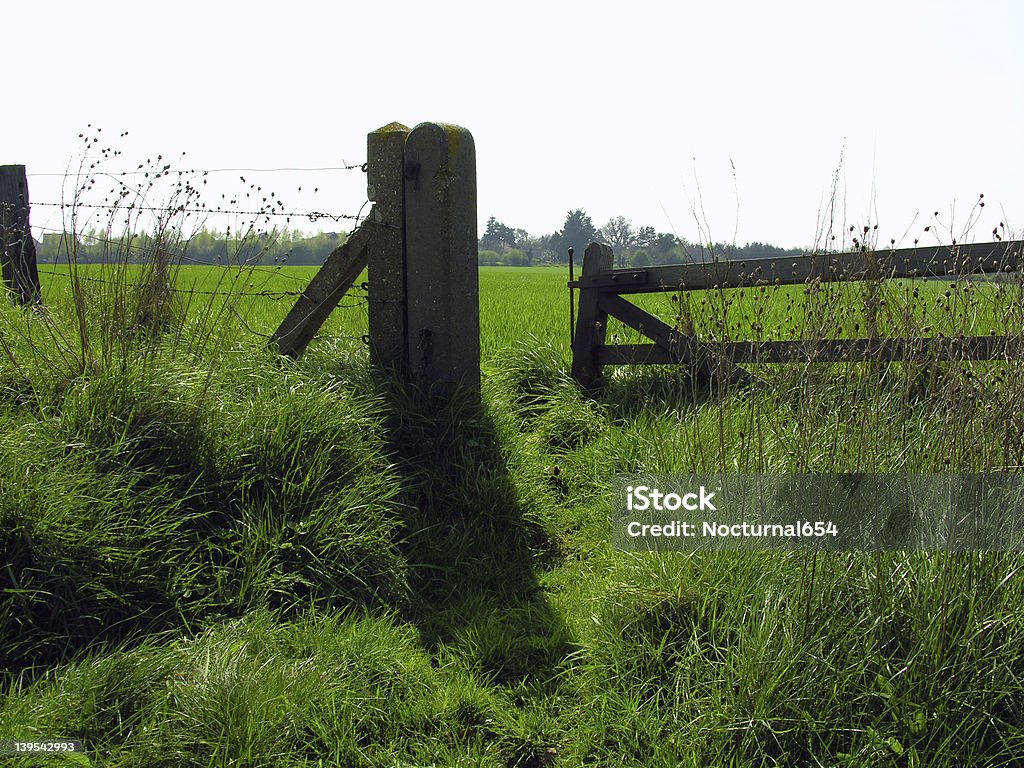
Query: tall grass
{"points": [[217, 557]]}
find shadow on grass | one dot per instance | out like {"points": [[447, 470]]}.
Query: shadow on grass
{"points": [[145, 507], [473, 543]]}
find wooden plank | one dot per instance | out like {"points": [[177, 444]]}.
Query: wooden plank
{"points": [[17, 248], [708, 362], [681, 348], [592, 320], [325, 290], [442, 273], [831, 351], [385, 186], [877, 350], [933, 261], [635, 354]]}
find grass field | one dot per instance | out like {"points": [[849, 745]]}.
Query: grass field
{"points": [[215, 557]]}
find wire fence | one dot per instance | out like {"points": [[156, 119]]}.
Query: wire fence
{"points": [[118, 245], [247, 253], [312, 216], [138, 172], [357, 295], [84, 179], [166, 231]]}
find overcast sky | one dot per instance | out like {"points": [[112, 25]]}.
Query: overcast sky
{"points": [[736, 115]]}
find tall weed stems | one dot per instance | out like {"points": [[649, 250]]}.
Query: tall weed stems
{"points": [[137, 301], [921, 414]]}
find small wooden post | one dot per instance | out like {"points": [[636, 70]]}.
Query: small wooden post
{"points": [[17, 248], [592, 322], [442, 284], [385, 169]]}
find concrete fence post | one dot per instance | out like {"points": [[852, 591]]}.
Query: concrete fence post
{"points": [[442, 285], [386, 273]]}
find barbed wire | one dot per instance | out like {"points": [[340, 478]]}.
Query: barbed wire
{"points": [[183, 256], [251, 268], [275, 295], [355, 297], [139, 172], [356, 301], [312, 216]]}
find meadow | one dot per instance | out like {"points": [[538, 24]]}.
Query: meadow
{"points": [[214, 556]]}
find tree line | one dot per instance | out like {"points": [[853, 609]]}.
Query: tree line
{"points": [[499, 245], [632, 246], [203, 247]]}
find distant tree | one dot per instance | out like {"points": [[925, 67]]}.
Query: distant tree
{"points": [[487, 258], [620, 235], [498, 236], [758, 250], [53, 248], [640, 259], [528, 244], [578, 232], [544, 249], [516, 258], [677, 255], [660, 248], [645, 237], [300, 253], [204, 247]]}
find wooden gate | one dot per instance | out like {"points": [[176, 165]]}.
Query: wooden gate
{"points": [[602, 289]]}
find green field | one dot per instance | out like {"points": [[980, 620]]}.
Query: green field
{"points": [[212, 556]]}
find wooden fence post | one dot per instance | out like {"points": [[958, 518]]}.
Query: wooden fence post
{"points": [[442, 284], [385, 170], [17, 248], [592, 321]]}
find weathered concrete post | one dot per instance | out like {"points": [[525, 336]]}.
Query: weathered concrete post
{"points": [[17, 248], [385, 172], [442, 285]]}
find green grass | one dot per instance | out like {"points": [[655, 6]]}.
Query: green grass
{"points": [[215, 557]]}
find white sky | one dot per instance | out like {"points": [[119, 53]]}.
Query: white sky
{"points": [[639, 109]]}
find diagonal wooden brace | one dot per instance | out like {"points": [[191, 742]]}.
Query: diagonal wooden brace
{"points": [[325, 290], [681, 348]]}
